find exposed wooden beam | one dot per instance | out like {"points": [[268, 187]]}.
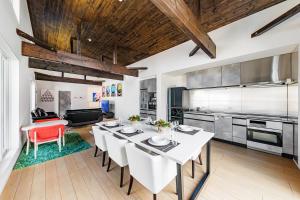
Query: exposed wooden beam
{"points": [[36, 41], [137, 68], [62, 57], [71, 69], [45, 77], [180, 14], [290, 13], [194, 51]]}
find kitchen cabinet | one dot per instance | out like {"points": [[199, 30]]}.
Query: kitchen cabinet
{"points": [[143, 84], [295, 66], [288, 138], [205, 125], [151, 87], [204, 78], [231, 74], [239, 134], [223, 128], [296, 142]]}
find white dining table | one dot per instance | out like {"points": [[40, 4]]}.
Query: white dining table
{"points": [[181, 154]]}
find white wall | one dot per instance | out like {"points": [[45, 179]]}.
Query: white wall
{"points": [[20, 91], [81, 95], [129, 103]]}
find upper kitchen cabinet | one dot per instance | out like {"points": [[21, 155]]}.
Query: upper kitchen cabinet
{"points": [[231, 74], [204, 78], [151, 85], [148, 84]]}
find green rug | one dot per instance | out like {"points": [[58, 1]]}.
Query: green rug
{"points": [[49, 151]]}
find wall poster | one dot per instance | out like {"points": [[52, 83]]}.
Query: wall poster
{"points": [[113, 90], [119, 89], [47, 95]]}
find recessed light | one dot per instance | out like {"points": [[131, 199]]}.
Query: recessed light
{"points": [[89, 39]]}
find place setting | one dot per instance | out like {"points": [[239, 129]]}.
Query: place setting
{"points": [[186, 129], [161, 143], [112, 124], [130, 131]]}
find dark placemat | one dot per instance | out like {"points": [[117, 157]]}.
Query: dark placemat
{"points": [[165, 148], [118, 125], [187, 132], [131, 134]]}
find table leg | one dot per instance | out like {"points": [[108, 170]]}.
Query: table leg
{"points": [[205, 176], [179, 182]]}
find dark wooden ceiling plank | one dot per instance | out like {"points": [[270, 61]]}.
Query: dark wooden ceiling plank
{"points": [[46, 77], [290, 13], [37, 52], [135, 24], [71, 69], [181, 15]]}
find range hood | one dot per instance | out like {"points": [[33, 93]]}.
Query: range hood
{"points": [[279, 69]]}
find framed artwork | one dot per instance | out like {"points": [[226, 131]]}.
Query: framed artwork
{"points": [[119, 89], [103, 91], [47, 95], [96, 96], [113, 90], [108, 91]]}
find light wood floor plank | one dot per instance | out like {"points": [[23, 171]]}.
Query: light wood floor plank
{"points": [[65, 184], [52, 184], [38, 189], [11, 186], [24, 187]]}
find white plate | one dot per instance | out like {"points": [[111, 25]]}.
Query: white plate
{"points": [[185, 128], [111, 124], [128, 130], [159, 141]]}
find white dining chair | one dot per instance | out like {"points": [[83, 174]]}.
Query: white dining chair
{"points": [[197, 155], [151, 170], [100, 142], [116, 152]]}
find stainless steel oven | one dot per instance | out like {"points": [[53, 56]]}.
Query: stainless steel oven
{"points": [[265, 135]]}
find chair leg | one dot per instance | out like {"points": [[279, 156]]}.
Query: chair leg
{"points": [[27, 147], [103, 158], [200, 159], [64, 143], [193, 169], [96, 150], [154, 196], [109, 162], [35, 150], [130, 185], [122, 176]]}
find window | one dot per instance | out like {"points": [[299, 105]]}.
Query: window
{"points": [[4, 106], [16, 6]]}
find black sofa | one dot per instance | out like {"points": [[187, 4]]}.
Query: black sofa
{"points": [[83, 117], [40, 114]]}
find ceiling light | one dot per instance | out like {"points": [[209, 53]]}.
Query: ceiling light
{"points": [[89, 39]]}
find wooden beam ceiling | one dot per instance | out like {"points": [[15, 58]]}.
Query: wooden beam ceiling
{"points": [[72, 69], [181, 15], [37, 52], [138, 28], [45, 77], [290, 13]]}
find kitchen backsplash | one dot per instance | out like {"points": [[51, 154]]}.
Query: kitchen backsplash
{"points": [[276, 100]]}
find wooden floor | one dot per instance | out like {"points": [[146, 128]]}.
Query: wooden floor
{"points": [[237, 174]]}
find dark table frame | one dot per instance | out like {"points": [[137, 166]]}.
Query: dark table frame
{"points": [[179, 178]]}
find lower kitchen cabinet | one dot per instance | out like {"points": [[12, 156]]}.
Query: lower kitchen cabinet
{"points": [[288, 138], [296, 143], [205, 125], [239, 134]]}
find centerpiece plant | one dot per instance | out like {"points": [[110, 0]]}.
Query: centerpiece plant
{"points": [[162, 125]]}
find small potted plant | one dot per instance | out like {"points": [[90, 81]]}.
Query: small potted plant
{"points": [[134, 119], [162, 126]]}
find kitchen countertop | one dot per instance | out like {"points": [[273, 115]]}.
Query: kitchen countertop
{"points": [[283, 119]]}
